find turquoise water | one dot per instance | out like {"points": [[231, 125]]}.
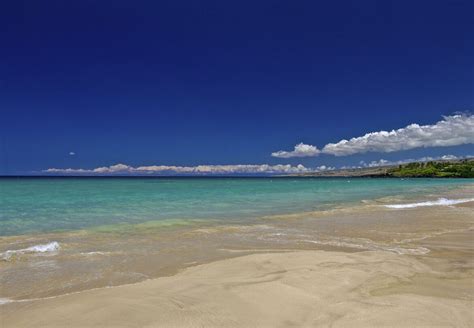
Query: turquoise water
{"points": [[32, 205], [63, 235]]}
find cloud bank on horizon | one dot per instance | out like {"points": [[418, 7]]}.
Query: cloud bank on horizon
{"points": [[122, 169], [192, 170], [453, 130]]}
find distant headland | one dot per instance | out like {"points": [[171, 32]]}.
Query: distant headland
{"points": [[433, 169]]}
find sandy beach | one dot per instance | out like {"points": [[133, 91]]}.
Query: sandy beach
{"points": [[289, 289]]}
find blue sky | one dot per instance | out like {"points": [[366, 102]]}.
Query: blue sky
{"points": [[189, 83]]}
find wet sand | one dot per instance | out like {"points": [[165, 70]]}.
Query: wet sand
{"points": [[349, 267]]}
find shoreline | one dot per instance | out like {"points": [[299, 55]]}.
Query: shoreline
{"points": [[345, 241], [169, 248]]}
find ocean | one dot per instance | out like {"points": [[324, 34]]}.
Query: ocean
{"points": [[36, 205]]}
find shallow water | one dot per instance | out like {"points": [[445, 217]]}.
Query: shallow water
{"points": [[32, 205]]}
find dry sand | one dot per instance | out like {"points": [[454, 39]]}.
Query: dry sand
{"points": [[289, 289]]}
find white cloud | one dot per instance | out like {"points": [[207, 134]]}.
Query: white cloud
{"points": [[324, 168], [301, 150], [72, 153], [451, 131], [190, 170]]}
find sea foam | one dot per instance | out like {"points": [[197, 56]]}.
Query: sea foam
{"points": [[43, 248], [371, 246], [439, 202]]}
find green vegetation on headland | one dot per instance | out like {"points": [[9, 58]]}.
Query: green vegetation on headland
{"points": [[441, 169], [434, 169]]}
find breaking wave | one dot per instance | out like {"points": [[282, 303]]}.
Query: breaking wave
{"points": [[439, 202], [43, 248]]}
